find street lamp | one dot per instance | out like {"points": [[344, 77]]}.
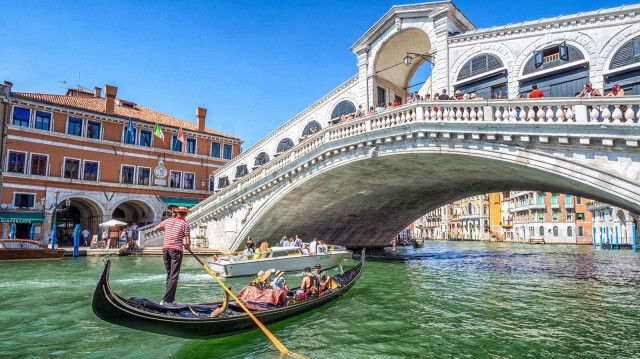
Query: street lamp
{"points": [[55, 208], [407, 59]]}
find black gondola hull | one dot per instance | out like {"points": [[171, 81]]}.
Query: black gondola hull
{"points": [[112, 308]]}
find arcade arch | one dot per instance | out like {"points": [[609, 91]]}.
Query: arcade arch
{"points": [[344, 107], [133, 211], [284, 144], [81, 211], [311, 126]]}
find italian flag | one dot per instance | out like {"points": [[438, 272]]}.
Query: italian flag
{"points": [[158, 132]]}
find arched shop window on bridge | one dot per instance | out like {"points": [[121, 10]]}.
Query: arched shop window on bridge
{"points": [[241, 171], [261, 159], [311, 126], [285, 144], [493, 85], [629, 76], [343, 108], [223, 182], [563, 84]]}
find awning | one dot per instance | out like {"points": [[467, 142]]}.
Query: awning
{"points": [[20, 217], [180, 202]]}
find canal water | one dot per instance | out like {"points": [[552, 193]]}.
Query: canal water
{"points": [[447, 300]]}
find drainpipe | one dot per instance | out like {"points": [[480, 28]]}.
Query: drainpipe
{"points": [[5, 102]]}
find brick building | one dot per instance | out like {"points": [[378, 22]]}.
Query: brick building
{"points": [[79, 147]]}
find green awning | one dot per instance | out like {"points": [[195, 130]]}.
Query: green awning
{"points": [[20, 217], [180, 202]]}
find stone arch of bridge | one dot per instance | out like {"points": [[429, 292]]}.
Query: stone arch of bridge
{"points": [[372, 198]]}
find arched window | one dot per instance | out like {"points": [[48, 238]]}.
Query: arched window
{"points": [[478, 65], [118, 213], [343, 108], [541, 230], [311, 127], [628, 54], [223, 182], [241, 171], [569, 231], [284, 145], [261, 159], [555, 231]]}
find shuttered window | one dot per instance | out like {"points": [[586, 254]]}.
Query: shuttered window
{"points": [[628, 54], [479, 65]]}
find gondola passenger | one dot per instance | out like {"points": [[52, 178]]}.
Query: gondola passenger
{"points": [[280, 282], [308, 285]]}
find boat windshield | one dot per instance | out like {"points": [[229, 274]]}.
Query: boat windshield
{"points": [[286, 252], [18, 245]]}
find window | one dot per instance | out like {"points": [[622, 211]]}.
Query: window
{"points": [[569, 215], [71, 168], [311, 128], [569, 231], [74, 126], [93, 129], [628, 54], [189, 180], [23, 200], [398, 99], [555, 215], [175, 144], [16, 162], [580, 231], [241, 171], [144, 175], [128, 137], [567, 199], [555, 231], [343, 108], [479, 65], [39, 165], [541, 230], [215, 149], [90, 171], [43, 121], [261, 159], [499, 91], [541, 215], [578, 200], [554, 199], [580, 216], [284, 145], [211, 183], [223, 182], [227, 152], [145, 138], [191, 145], [540, 199], [175, 179], [21, 116], [127, 174], [382, 96]]}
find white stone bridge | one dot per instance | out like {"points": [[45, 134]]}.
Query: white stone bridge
{"points": [[360, 182]]}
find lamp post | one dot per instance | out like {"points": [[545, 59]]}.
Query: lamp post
{"points": [[55, 207]]}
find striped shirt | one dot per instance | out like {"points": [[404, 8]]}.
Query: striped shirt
{"points": [[175, 229]]}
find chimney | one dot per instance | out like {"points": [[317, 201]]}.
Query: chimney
{"points": [[201, 114], [8, 86], [110, 99], [97, 92]]}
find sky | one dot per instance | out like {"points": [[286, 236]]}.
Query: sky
{"points": [[252, 65]]}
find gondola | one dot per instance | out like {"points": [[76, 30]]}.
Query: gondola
{"points": [[195, 321], [418, 243]]}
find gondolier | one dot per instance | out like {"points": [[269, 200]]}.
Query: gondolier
{"points": [[175, 230]]}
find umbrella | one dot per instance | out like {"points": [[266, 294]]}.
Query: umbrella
{"points": [[12, 233], [112, 223], [32, 231]]}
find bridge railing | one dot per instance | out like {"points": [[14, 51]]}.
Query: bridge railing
{"points": [[621, 111]]}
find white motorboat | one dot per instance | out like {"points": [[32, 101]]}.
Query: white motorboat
{"points": [[286, 259]]}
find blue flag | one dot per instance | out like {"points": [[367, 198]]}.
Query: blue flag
{"points": [[132, 138]]}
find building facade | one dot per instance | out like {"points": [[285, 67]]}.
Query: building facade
{"points": [[99, 154], [612, 226]]}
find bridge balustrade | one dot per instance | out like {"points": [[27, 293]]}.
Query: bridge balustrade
{"points": [[622, 111]]}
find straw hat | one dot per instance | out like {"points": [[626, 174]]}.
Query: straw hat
{"points": [[181, 209], [279, 273]]}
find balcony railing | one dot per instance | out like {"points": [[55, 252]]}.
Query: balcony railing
{"points": [[601, 112]]}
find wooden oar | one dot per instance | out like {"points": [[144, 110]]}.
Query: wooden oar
{"points": [[266, 331]]}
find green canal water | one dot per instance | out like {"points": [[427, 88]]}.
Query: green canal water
{"points": [[447, 300]]}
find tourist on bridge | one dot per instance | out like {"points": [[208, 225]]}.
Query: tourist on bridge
{"points": [[616, 90], [443, 96], [360, 112], [535, 93], [589, 91], [176, 236]]}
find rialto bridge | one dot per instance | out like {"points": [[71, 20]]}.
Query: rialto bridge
{"points": [[361, 181]]}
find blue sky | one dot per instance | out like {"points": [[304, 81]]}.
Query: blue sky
{"points": [[253, 65]]}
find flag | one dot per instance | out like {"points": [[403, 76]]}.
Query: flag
{"points": [[181, 139], [132, 138], [158, 132]]}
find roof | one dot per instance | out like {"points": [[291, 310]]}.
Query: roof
{"points": [[97, 104]]}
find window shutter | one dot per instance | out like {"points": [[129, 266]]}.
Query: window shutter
{"points": [[538, 60], [563, 51], [623, 56], [478, 65], [494, 62]]}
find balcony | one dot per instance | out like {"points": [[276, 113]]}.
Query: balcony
{"points": [[595, 205]]}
